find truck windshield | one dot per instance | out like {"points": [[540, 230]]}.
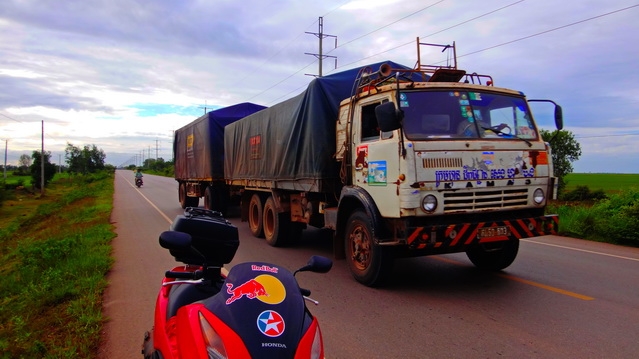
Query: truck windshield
{"points": [[465, 114]]}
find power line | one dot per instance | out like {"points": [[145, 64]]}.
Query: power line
{"points": [[305, 67], [396, 47], [551, 30], [392, 23], [287, 45], [600, 136], [11, 118], [437, 32], [456, 25]]}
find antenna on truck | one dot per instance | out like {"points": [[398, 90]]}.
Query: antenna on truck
{"points": [[440, 73], [448, 72]]}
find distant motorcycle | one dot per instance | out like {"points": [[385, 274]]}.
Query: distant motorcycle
{"points": [[258, 310], [138, 182]]}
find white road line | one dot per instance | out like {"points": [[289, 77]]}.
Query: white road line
{"points": [[581, 250], [169, 220]]}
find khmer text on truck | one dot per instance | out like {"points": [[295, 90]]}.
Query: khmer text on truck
{"points": [[397, 161]]}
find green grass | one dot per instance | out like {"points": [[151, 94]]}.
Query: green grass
{"points": [[614, 219], [54, 256], [14, 180], [608, 182]]}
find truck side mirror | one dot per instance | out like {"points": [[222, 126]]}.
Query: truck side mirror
{"points": [[559, 113], [388, 118], [559, 117]]}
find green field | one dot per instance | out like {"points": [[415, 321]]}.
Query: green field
{"points": [[608, 182]]}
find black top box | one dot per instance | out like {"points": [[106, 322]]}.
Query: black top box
{"points": [[212, 235]]}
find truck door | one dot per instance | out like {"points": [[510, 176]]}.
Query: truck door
{"points": [[375, 159]]}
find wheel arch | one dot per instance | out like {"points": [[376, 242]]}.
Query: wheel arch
{"points": [[352, 199]]}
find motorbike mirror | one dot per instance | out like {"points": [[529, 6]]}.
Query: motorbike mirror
{"points": [[317, 264], [175, 240]]}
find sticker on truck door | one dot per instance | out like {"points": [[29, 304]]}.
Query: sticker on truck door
{"points": [[377, 173], [361, 164]]}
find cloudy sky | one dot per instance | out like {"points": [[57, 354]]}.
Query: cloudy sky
{"points": [[123, 74]]}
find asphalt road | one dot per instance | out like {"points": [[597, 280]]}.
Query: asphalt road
{"points": [[562, 298]]}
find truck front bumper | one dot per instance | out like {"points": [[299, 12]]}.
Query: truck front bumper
{"points": [[458, 237]]}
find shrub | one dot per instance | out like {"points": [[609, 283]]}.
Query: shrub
{"points": [[583, 193], [614, 219]]}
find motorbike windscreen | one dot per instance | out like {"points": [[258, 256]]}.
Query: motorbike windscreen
{"points": [[465, 114]]}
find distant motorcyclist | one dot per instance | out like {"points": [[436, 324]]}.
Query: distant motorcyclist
{"points": [[138, 175]]}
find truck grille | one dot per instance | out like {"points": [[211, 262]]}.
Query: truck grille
{"points": [[485, 200]]}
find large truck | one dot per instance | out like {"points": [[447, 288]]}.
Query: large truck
{"points": [[198, 153], [398, 162]]}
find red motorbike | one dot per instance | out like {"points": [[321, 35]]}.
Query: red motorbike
{"points": [[138, 182], [258, 310]]}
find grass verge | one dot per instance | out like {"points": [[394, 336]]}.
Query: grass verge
{"points": [[54, 257], [614, 219]]}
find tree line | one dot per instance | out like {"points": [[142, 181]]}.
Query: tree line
{"points": [[88, 159]]}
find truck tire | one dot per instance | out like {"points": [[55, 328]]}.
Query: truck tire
{"points": [[369, 263], [186, 201], [215, 199], [255, 216], [208, 198], [182, 195], [276, 225], [493, 258], [192, 201], [295, 231]]}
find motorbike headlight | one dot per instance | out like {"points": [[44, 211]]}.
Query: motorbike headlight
{"points": [[538, 196], [214, 346], [429, 203]]}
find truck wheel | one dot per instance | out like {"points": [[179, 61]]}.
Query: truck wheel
{"points": [[186, 201], [276, 225], [221, 203], [192, 201], [494, 258], [369, 263], [182, 195], [255, 216], [215, 199], [295, 231], [208, 198]]}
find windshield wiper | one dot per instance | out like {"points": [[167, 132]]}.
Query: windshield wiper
{"points": [[498, 130]]}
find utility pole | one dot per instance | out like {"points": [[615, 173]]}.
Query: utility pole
{"points": [[204, 107], [320, 34], [6, 147], [156, 149], [42, 163]]}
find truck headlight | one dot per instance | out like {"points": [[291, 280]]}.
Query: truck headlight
{"points": [[538, 196], [429, 203]]}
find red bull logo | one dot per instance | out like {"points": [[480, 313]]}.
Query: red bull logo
{"points": [[265, 288]]}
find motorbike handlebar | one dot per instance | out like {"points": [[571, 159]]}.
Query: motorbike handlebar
{"points": [[183, 275]]}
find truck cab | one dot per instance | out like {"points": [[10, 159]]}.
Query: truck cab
{"points": [[449, 164]]}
